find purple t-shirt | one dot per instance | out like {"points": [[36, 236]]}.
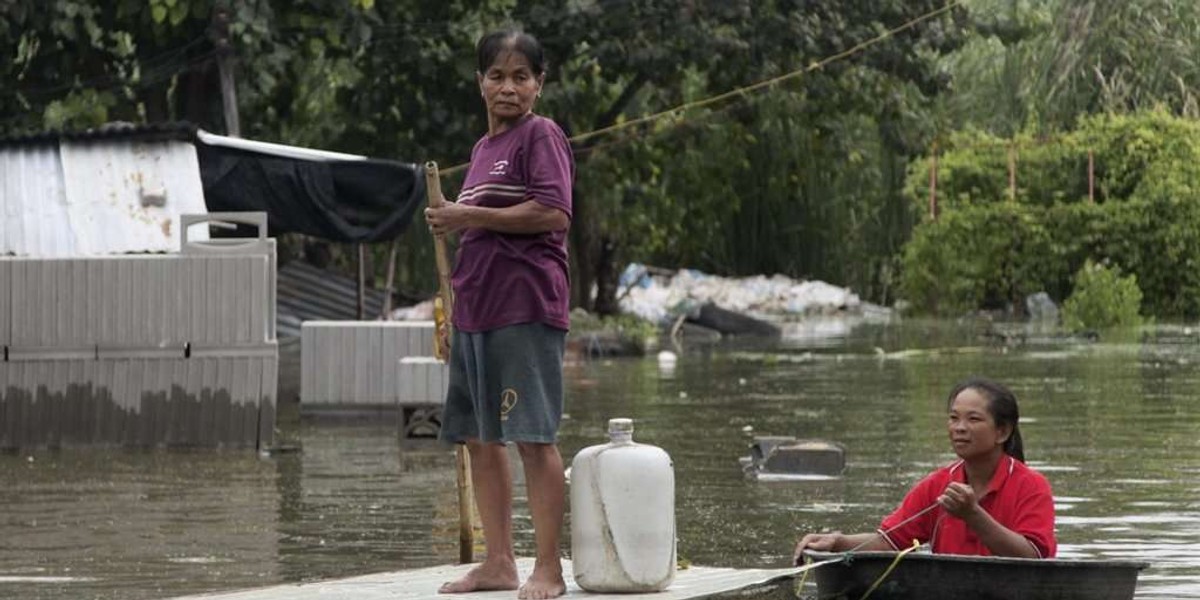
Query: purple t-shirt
{"points": [[503, 279]]}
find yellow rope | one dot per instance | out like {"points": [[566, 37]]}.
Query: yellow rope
{"points": [[743, 91], [804, 577], [888, 571]]}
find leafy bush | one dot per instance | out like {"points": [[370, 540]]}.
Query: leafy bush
{"points": [[1102, 299], [986, 251]]}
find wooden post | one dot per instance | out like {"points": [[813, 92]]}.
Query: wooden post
{"points": [[466, 512], [933, 176], [1012, 172], [390, 281], [362, 282], [220, 35], [1091, 177]]}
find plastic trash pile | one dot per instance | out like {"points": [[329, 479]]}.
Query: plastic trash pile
{"points": [[661, 299]]}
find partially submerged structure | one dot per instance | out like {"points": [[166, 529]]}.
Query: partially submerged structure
{"points": [[122, 325]]}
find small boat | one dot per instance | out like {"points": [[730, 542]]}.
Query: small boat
{"points": [[952, 577]]}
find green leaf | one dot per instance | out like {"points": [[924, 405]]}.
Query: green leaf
{"points": [[158, 12]]}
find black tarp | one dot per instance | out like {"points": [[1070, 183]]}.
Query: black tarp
{"points": [[337, 200]]}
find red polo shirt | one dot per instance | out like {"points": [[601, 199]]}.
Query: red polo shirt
{"points": [[1017, 497]]}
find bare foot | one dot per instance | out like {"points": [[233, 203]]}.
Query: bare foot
{"points": [[487, 576], [545, 582]]}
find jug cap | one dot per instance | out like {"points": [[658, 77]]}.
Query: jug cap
{"points": [[621, 425]]}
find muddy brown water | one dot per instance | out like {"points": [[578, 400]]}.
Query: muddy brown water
{"points": [[1114, 425]]}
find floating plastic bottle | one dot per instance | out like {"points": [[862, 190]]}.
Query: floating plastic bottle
{"points": [[622, 515]]}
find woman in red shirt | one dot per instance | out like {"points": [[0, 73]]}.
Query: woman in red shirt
{"points": [[987, 503]]}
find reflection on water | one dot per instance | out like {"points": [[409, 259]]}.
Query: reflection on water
{"points": [[1113, 426]]}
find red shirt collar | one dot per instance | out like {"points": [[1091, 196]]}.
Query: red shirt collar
{"points": [[1004, 469]]}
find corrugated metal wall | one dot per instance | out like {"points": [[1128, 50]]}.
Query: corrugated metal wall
{"points": [[6, 292], [139, 301], [422, 380], [355, 363], [140, 350], [205, 401]]}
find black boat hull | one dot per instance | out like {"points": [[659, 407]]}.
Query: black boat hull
{"points": [[948, 577]]}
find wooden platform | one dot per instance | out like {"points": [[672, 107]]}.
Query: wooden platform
{"points": [[693, 582]]}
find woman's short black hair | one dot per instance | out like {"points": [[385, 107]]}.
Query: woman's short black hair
{"points": [[1002, 405], [491, 45]]}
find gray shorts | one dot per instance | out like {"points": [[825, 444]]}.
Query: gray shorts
{"points": [[505, 385]]}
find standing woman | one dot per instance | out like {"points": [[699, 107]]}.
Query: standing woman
{"points": [[987, 503], [510, 315]]}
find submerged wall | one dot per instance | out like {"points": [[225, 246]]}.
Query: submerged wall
{"points": [[149, 350]]}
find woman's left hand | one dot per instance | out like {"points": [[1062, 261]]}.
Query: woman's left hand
{"points": [[450, 217], [959, 500]]}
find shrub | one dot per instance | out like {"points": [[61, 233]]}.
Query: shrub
{"points": [[986, 250], [1103, 299]]}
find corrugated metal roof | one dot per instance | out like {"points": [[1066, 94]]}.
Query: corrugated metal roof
{"points": [[305, 292], [97, 196], [179, 131]]}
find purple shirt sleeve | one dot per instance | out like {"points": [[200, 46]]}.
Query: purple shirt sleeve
{"points": [[549, 168]]}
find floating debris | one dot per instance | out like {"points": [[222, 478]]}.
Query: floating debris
{"points": [[785, 458]]}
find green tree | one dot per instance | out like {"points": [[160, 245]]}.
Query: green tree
{"points": [[816, 164]]}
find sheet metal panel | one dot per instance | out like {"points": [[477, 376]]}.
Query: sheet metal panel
{"points": [[97, 350], [208, 401], [96, 197], [267, 394], [6, 295], [33, 205], [112, 189], [228, 296], [422, 380], [131, 301], [354, 362]]}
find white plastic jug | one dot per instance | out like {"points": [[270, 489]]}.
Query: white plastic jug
{"points": [[622, 515]]}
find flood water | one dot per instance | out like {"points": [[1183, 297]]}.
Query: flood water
{"points": [[1115, 426]]}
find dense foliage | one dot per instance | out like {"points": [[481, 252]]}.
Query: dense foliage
{"points": [[823, 176], [988, 250], [801, 179]]}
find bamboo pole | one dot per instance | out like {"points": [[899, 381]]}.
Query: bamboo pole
{"points": [[443, 312]]}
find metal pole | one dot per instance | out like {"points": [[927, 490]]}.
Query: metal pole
{"points": [[220, 34]]}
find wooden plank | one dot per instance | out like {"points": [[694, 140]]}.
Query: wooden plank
{"points": [[422, 584]]}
